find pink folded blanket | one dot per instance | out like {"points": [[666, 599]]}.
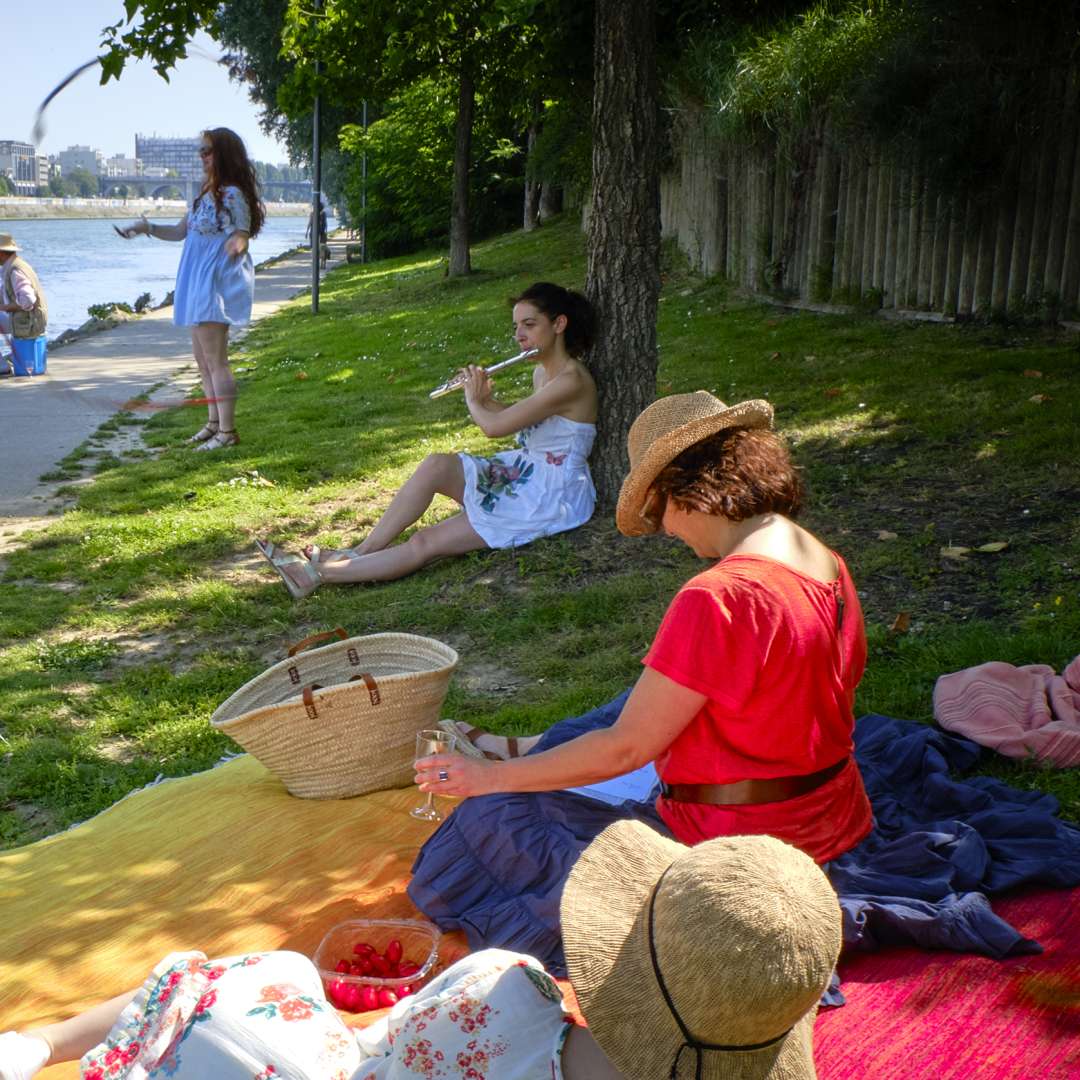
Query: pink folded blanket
{"points": [[1021, 712]]}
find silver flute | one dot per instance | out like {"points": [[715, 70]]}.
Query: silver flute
{"points": [[458, 381]]}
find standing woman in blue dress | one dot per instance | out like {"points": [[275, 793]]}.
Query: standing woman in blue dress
{"points": [[215, 282]]}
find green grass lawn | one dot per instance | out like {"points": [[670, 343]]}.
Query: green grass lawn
{"points": [[130, 618]]}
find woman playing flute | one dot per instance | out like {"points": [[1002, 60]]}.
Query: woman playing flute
{"points": [[516, 496]]}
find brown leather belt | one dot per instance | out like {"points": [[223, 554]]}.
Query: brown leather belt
{"points": [[747, 792]]}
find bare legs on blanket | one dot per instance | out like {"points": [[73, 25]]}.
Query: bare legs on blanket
{"points": [[28, 1052], [374, 559]]}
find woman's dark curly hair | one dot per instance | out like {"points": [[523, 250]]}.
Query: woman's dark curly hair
{"points": [[553, 301], [231, 167], [738, 474]]}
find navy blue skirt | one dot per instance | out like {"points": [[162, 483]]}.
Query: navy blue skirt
{"points": [[940, 845]]}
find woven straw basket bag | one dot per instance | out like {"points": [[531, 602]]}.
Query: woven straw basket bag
{"points": [[342, 719]]}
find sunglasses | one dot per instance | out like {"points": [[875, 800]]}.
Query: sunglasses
{"points": [[205, 151]]}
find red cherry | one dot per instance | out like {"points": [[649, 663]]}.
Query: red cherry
{"points": [[394, 952], [368, 998], [352, 997], [387, 997], [356, 968], [404, 991], [362, 948], [342, 967], [379, 966], [335, 991], [407, 968]]}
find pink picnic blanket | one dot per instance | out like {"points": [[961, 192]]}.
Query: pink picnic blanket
{"points": [[1021, 712]]}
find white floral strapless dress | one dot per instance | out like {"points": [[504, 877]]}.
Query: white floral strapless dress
{"points": [[541, 488]]}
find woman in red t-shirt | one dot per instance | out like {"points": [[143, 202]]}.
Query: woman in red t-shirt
{"points": [[745, 703]]}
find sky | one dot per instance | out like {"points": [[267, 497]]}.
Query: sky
{"points": [[45, 40]]}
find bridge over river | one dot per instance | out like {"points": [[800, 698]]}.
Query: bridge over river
{"points": [[162, 187]]}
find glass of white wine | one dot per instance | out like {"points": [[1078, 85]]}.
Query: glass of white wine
{"points": [[431, 742]]}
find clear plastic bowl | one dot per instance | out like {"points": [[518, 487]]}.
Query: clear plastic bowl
{"points": [[419, 944]]}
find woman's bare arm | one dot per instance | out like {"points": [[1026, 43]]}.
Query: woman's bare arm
{"points": [[169, 232], [497, 420], [656, 712]]}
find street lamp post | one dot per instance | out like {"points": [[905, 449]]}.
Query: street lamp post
{"points": [[316, 188]]}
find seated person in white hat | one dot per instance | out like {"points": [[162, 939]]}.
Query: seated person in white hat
{"points": [[23, 310], [703, 962], [745, 704]]}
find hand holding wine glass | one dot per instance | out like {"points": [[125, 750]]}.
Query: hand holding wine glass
{"points": [[429, 742]]}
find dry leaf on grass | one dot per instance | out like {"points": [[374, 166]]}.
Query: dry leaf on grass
{"points": [[993, 547], [884, 534], [1038, 399], [833, 391], [902, 623], [1031, 373], [957, 553]]}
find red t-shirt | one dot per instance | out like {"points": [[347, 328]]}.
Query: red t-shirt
{"points": [[778, 654]]}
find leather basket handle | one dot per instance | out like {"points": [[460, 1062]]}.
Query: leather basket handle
{"points": [[314, 639], [374, 694]]}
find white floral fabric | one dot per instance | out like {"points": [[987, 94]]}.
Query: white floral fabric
{"points": [[495, 1015], [542, 488]]}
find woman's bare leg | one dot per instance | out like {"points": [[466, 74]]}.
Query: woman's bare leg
{"points": [[455, 536], [213, 341], [70, 1039], [437, 474], [205, 379]]}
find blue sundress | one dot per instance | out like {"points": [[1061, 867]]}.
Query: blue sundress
{"points": [[212, 286]]}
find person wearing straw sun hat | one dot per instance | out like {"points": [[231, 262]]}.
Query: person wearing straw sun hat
{"points": [[703, 962], [23, 310], [744, 707]]}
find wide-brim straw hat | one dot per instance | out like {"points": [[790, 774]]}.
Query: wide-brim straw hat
{"points": [[7, 243], [663, 431], [747, 931]]}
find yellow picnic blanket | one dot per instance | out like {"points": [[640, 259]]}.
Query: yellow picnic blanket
{"points": [[225, 861]]}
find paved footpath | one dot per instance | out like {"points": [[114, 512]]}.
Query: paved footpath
{"points": [[42, 419]]}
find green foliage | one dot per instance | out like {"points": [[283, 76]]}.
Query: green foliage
{"points": [[410, 152], [104, 311], [76, 655], [959, 85], [562, 153], [80, 183]]}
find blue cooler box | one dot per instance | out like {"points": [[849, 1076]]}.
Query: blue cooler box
{"points": [[28, 355]]}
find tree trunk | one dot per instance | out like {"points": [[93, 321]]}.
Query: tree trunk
{"points": [[532, 187], [550, 200], [460, 263], [623, 275]]}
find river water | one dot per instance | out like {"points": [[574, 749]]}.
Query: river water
{"points": [[81, 261]]}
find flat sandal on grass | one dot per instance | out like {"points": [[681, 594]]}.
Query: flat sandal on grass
{"points": [[219, 441]]}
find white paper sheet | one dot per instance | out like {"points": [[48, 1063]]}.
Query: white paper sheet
{"points": [[635, 785]]}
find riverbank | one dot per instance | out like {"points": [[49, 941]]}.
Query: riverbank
{"points": [[24, 208]]}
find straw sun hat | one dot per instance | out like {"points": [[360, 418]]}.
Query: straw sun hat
{"points": [[7, 243], [703, 962], [663, 431]]}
